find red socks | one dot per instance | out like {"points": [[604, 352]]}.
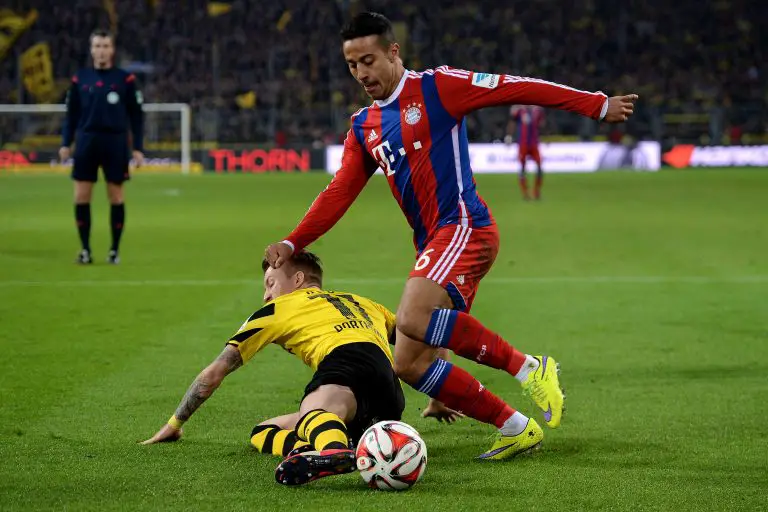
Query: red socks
{"points": [[459, 390], [467, 337]]}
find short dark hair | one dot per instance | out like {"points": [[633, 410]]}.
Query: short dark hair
{"points": [[307, 262], [369, 24], [101, 32]]}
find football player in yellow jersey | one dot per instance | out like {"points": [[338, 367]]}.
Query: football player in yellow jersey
{"points": [[344, 338]]}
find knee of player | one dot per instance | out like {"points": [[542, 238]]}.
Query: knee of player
{"points": [[115, 195], [409, 371], [413, 322]]}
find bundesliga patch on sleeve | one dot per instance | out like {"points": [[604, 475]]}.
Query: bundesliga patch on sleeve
{"points": [[486, 80]]}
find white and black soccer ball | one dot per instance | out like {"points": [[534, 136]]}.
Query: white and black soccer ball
{"points": [[391, 456]]}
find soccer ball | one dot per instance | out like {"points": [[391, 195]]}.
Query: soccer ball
{"points": [[391, 456]]}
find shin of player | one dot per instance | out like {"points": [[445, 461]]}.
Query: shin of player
{"points": [[313, 442]]}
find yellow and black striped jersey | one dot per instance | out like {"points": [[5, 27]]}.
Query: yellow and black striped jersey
{"points": [[311, 322]]}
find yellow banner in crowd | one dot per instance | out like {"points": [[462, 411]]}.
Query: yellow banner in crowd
{"points": [[218, 8], [37, 72], [246, 101], [109, 7], [12, 26]]}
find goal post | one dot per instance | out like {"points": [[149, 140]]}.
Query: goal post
{"points": [[34, 129]]}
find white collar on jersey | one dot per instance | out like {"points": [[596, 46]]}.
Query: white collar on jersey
{"points": [[395, 94]]}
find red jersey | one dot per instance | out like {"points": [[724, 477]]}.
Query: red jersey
{"points": [[528, 119], [418, 137]]}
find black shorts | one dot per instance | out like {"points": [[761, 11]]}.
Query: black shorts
{"points": [[109, 151], [366, 370]]}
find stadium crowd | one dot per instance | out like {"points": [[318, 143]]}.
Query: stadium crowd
{"points": [[272, 71]]}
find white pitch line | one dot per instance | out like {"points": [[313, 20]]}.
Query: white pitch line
{"points": [[756, 279]]}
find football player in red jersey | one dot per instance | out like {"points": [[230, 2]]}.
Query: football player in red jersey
{"points": [[416, 134], [526, 120]]}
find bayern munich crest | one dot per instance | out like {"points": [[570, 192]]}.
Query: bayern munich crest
{"points": [[412, 113]]}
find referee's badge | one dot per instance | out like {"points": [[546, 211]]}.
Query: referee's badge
{"points": [[113, 97]]}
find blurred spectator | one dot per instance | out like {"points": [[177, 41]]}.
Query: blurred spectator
{"points": [[681, 57]]}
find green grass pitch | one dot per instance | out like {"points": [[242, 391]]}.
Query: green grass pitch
{"points": [[650, 288]]}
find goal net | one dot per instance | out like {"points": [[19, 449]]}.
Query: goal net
{"points": [[30, 138]]}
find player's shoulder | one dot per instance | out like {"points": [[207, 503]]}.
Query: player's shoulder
{"points": [[440, 70], [458, 76], [82, 75], [359, 112], [362, 299], [267, 311], [343, 293], [287, 307], [291, 300], [294, 304], [125, 75]]}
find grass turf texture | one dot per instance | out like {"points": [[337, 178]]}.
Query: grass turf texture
{"points": [[651, 289]]}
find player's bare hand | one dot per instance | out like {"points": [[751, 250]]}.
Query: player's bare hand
{"points": [[436, 409], [277, 254], [138, 158], [620, 108], [167, 434], [64, 153]]}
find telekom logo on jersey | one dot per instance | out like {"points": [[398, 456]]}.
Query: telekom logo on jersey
{"points": [[385, 156]]}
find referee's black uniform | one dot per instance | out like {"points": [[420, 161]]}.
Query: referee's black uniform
{"points": [[102, 104]]}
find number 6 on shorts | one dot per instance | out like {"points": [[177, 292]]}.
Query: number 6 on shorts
{"points": [[423, 261]]}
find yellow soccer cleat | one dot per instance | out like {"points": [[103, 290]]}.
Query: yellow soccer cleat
{"points": [[543, 386], [506, 447]]}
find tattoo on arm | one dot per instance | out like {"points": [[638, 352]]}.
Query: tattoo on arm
{"points": [[207, 382], [197, 393], [230, 359]]}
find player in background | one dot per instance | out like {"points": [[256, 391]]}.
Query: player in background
{"points": [[344, 338], [415, 132], [102, 103], [525, 122]]}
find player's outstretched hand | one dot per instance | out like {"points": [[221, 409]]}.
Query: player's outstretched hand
{"points": [[138, 158], [167, 434], [436, 409], [620, 108], [64, 153], [277, 254]]}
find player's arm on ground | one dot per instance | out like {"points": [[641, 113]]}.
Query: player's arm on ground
{"points": [[201, 389], [133, 105], [462, 92], [71, 119], [331, 204], [257, 332]]}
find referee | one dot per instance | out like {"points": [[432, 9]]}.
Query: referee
{"points": [[102, 102]]}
